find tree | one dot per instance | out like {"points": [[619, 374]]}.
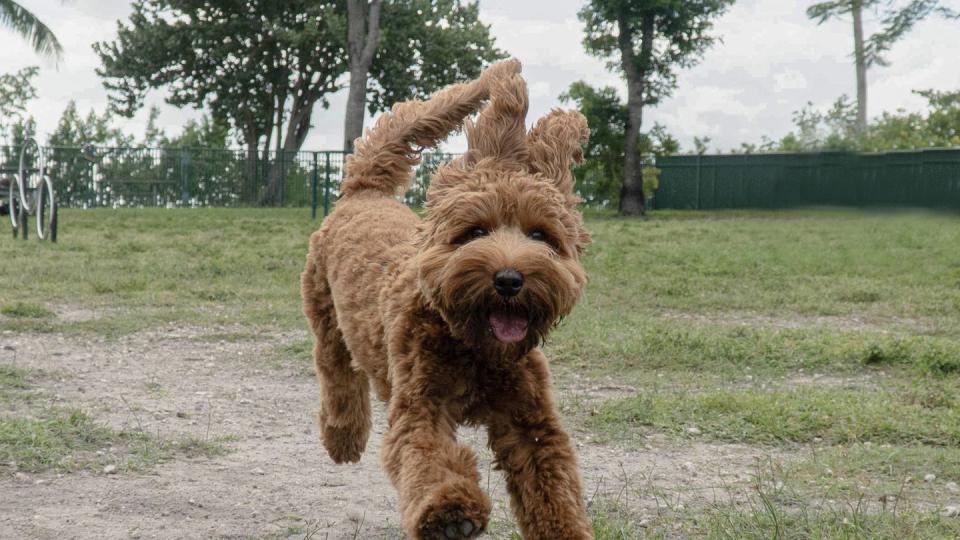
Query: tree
{"points": [[943, 122], [75, 129], [206, 133], [599, 178], [896, 21], [16, 90], [409, 48], [20, 20], [646, 40], [700, 145], [836, 128], [259, 66]]}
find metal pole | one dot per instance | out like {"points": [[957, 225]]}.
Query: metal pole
{"points": [[699, 180], [313, 190], [326, 186]]}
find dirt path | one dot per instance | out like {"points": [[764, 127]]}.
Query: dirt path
{"points": [[277, 481]]}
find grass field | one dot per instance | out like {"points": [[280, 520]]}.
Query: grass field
{"points": [[828, 339]]}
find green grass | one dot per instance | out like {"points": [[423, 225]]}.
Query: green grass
{"points": [[764, 519], [219, 266], [808, 332], [13, 381], [25, 310], [147, 267], [798, 502], [871, 492], [876, 473], [68, 439], [791, 415], [876, 265], [637, 344]]}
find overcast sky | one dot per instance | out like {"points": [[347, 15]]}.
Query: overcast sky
{"points": [[771, 62]]}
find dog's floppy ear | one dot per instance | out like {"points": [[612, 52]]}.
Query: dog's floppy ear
{"points": [[555, 144], [499, 133]]}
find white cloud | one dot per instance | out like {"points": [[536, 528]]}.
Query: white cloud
{"points": [[790, 79]]}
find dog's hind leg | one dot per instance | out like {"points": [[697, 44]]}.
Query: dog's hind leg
{"points": [[344, 416]]}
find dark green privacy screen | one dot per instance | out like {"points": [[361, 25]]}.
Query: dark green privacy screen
{"points": [[925, 178]]}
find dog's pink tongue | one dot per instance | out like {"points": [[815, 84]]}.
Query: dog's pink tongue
{"points": [[508, 328]]}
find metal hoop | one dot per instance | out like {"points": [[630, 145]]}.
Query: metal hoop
{"points": [[13, 203], [46, 210], [24, 172]]}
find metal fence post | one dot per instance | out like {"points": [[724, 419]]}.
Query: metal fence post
{"points": [[326, 185], [283, 176], [313, 189], [184, 175], [699, 179]]}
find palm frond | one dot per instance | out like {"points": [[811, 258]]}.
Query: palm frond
{"points": [[20, 20]]}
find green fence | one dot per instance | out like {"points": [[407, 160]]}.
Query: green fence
{"points": [[194, 177], [924, 178]]}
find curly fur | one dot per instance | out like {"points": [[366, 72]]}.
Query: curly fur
{"points": [[407, 305]]}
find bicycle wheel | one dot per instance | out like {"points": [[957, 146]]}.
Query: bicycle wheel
{"points": [[46, 209], [24, 171], [13, 204], [24, 218]]}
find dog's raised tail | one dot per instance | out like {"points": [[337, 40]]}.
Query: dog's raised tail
{"points": [[384, 157]]}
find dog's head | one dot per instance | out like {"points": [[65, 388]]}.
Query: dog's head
{"points": [[499, 253]]}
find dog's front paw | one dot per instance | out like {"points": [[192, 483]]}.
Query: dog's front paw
{"points": [[452, 527], [345, 444], [455, 511]]}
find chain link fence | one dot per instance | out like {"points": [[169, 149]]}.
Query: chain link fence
{"points": [[95, 176]]}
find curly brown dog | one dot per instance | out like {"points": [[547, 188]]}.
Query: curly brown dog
{"points": [[444, 315]]}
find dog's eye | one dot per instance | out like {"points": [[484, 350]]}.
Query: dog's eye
{"points": [[539, 236], [472, 234]]}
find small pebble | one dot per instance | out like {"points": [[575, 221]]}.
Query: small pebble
{"points": [[110, 469], [951, 511], [693, 430], [929, 477]]}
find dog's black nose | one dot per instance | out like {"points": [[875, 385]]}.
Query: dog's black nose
{"points": [[508, 282]]}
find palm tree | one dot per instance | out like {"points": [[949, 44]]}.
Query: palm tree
{"points": [[17, 18]]}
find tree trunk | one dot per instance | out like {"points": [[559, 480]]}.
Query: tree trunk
{"points": [[298, 126], [363, 31], [858, 51], [271, 192], [632, 200]]}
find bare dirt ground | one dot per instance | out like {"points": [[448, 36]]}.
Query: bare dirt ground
{"points": [[276, 481]]}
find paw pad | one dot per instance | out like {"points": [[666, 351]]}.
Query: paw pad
{"points": [[464, 529]]}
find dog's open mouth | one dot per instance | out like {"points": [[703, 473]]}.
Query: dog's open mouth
{"points": [[508, 327]]}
